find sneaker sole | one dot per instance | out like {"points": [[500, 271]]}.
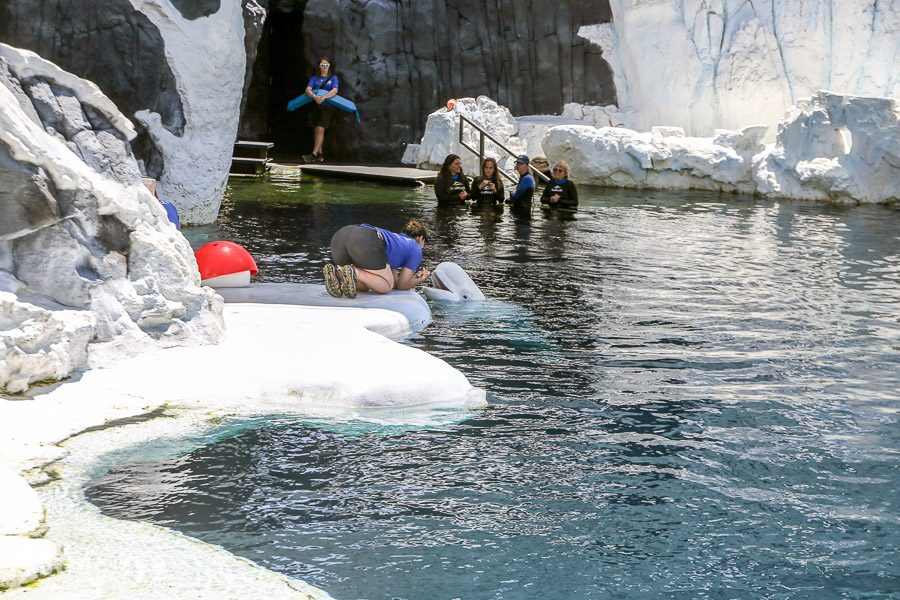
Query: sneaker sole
{"points": [[332, 283], [348, 274]]}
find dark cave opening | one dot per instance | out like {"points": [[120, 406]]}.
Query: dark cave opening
{"points": [[280, 74]]}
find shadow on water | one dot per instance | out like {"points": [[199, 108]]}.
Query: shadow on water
{"points": [[691, 395]]}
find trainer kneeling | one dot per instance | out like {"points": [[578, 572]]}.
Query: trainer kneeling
{"points": [[366, 258]]}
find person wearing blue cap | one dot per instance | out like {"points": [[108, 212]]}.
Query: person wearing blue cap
{"points": [[521, 196]]}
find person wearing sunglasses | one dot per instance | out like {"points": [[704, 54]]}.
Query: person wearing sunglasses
{"points": [[320, 115], [560, 191]]}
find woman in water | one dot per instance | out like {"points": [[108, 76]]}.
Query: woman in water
{"points": [[487, 189], [320, 115], [451, 185], [373, 259], [560, 192]]}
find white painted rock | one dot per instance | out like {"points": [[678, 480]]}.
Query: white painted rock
{"points": [[834, 147], [615, 156], [724, 65], [210, 83], [86, 253], [442, 134], [23, 560], [38, 344], [21, 512]]}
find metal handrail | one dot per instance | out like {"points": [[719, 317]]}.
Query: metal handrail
{"points": [[480, 152]]}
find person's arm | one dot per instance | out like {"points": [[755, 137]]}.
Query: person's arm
{"points": [[523, 190], [407, 279], [334, 88], [441, 191], [570, 198], [545, 196]]}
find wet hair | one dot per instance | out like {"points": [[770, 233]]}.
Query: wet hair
{"points": [[564, 165], [445, 168], [414, 229]]}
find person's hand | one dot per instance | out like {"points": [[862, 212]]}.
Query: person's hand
{"points": [[463, 195], [423, 274], [319, 99], [554, 198]]}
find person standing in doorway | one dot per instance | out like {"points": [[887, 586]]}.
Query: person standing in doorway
{"points": [[320, 115]]}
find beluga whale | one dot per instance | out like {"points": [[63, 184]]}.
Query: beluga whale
{"points": [[452, 284]]}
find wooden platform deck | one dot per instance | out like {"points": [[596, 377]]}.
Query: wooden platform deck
{"points": [[389, 175]]}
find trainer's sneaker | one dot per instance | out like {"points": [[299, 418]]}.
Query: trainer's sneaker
{"points": [[320, 158], [309, 158], [348, 280], [332, 283]]}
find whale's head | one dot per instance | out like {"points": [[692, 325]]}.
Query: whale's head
{"points": [[450, 282]]}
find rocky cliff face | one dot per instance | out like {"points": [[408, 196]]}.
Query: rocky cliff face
{"points": [[180, 64], [400, 60], [703, 65], [90, 267]]}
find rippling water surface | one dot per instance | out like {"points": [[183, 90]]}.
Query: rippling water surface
{"points": [[691, 396]]}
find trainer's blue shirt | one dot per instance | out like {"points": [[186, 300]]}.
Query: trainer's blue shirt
{"points": [[327, 83], [401, 250], [524, 190]]}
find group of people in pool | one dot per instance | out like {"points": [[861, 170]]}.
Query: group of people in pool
{"points": [[452, 186], [368, 258]]}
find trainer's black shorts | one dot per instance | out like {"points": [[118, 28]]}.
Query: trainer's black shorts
{"points": [[359, 246], [320, 116]]}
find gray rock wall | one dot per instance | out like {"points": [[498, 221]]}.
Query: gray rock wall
{"points": [[400, 60], [90, 267], [116, 47]]}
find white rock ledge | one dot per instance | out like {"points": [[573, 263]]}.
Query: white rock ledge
{"points": [[276, 359]]}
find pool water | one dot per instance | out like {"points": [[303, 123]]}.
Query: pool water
{"points": [[691, 396]]}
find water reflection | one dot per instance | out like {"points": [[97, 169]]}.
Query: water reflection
{"points": [[691, 395]]}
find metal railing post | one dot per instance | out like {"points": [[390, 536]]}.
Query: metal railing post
{"points": [[480, 152]]}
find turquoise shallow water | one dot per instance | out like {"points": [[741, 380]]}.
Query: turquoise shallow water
{"points": [[691, 396]]}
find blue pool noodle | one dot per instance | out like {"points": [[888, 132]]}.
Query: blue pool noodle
{"points": [[335, 101]]}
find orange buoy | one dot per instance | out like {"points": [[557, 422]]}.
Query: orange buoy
{"points": [[451, 103], [223, 258]]}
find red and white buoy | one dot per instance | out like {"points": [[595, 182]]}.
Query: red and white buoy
{"points": [[225, 264]]}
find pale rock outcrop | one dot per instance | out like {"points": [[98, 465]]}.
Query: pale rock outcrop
{"points": [[86, 253], [21, 512], [26, 559], [442, 134], [834, 147], [208, 60], [664, 158], [829, 147], [715, 64], [23, 556]]}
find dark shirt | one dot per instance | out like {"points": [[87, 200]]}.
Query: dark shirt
{"points": [[568, 195], [524, 191], [447, 188], [486, 196]]}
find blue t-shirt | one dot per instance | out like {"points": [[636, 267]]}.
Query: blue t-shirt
{"points": [[327, 83], [402, 250]]}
